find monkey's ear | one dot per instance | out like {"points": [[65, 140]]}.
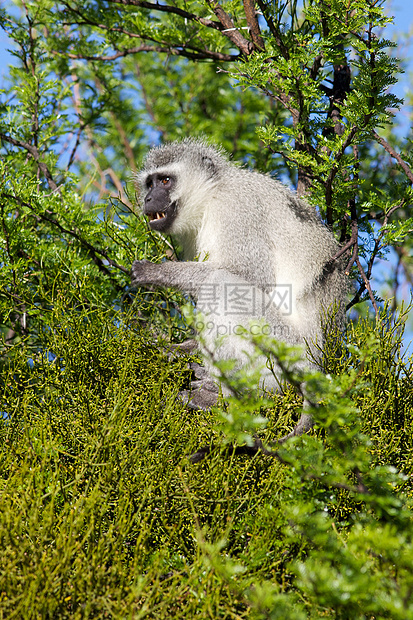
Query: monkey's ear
{"points": [[209, 165]]}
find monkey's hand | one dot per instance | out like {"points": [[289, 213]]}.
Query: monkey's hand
{"points": [[186, 276], [144, 272]]}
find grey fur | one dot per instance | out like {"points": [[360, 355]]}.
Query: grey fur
{"points": [[243, 229]]}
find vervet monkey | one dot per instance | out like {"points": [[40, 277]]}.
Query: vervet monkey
{"points": [[252, 250]]}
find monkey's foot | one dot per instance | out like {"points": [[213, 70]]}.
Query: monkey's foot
{"points": [[203, 393], [187, 347]]}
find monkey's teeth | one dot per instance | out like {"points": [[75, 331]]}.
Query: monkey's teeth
{"points": [[156, 216]]}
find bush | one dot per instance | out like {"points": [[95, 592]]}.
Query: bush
{"points": [[104, 516]]}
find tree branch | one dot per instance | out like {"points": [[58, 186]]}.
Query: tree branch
{"points": [[230, 31], [34, 152], [353, 241], [166, 8], [273, 28], [253, 25], [367, 284], [195, 54], [395, 155], [90, 248], [259, 447]]}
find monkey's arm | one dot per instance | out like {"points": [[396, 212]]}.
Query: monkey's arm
{"points": [[184, 276]]}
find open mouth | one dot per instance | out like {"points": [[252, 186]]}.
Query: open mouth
{"points": [[156, 216]]}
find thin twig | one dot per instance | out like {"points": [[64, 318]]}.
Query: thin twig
{"points": [[367, 285], [91, 249], [395, 155], [34, 152]]}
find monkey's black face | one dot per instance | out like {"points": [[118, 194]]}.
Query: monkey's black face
{"points": [[158, 206]]}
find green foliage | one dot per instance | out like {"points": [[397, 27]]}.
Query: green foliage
{"points": [[325, 42], [102, 514]]}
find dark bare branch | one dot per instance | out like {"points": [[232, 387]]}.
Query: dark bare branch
{"points": [[353, 241], [171, 51], [230, 31], [253, 25], [395, 155], [257, 447], [166, 8], [367, 285]]}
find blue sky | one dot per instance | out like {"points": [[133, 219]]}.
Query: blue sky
{"points": [[402, 11]]}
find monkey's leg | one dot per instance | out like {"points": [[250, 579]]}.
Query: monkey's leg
{"points": [[203, 393], [202, 396], [188, 277], [187, 346]]}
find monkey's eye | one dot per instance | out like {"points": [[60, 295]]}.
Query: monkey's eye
{"points": [[165, 180]]}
